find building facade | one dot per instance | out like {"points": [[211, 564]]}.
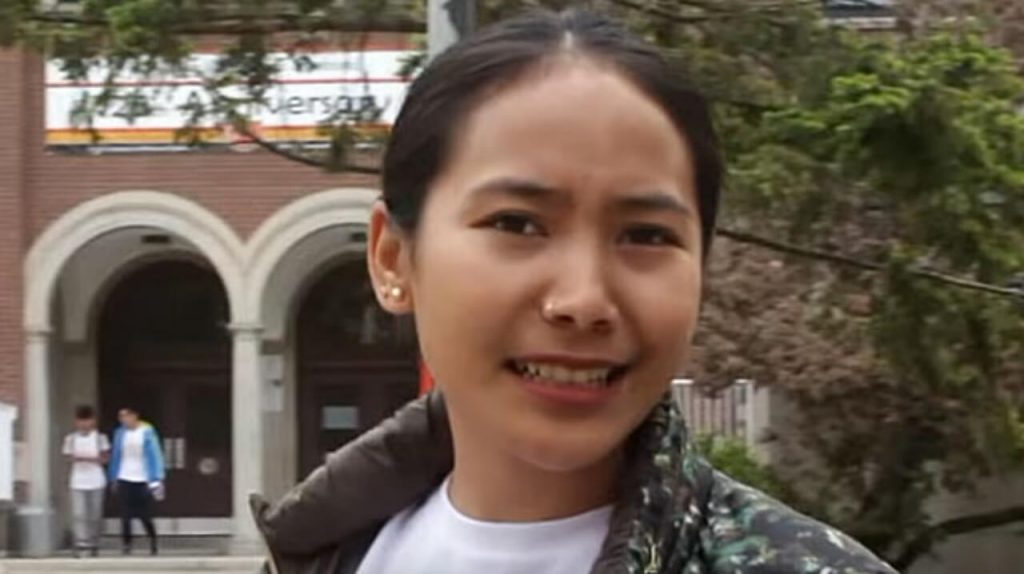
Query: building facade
{"points": [[221, 293]]}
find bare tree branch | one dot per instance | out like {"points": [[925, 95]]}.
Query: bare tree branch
{"points": [[660, 12], [866, 265], [962, 525], [301, 157], [710, 10], [233, 24], [739, 236], [285, 153]]}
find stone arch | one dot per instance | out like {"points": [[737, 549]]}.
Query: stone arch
{"points": [[282, 233], [84, 300], [66, 237], [51, 251]]}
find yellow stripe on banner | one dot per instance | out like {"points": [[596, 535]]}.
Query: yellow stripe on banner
{"points": [[216, 136]]}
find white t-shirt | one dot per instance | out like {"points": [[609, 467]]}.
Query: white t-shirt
{"points": [[133, 458], [86, 475], [435, 538]]}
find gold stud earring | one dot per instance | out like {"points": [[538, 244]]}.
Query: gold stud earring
{"points": [[395, 292]]}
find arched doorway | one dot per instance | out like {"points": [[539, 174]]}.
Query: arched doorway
{"points": [[164, 348], [356, 363]]}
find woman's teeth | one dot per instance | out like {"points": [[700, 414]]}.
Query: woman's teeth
{"points": [[560, 375]]}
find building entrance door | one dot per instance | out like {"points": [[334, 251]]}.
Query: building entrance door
{"points": [[164, 350], [356, 363]]}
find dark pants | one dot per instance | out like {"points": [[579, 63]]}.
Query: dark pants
{"points": [[136, 502]]}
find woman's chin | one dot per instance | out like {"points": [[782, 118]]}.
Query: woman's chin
{"points": [[552, 455]]}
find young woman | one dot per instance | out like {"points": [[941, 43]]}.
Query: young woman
{"points": [[550, 191], [137, 474]]}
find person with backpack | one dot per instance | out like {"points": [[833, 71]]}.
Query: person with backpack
{"points": [[87, 450]]}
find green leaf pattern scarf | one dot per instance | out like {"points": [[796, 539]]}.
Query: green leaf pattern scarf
{"points": [[690, 519]]}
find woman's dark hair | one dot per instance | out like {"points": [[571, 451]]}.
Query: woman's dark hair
{"points": [[453, 83], [83, 412]]}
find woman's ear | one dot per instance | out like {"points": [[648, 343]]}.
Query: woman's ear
{"points": [[389, 258]]}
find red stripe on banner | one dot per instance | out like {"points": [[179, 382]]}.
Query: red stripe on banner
{"points": [[165, 83]]}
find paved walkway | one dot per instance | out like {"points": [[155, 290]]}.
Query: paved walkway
{"points": [[147, 565]]}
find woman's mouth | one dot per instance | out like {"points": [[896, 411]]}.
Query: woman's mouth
{"points": [[560, 374], [578, 383]]}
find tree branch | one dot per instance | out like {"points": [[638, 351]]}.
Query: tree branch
{"points": [[924, 541], [711, 11], [233, 25], [838, 259], [285, 153], [300, 157], [738, 236], [743, 237], [660, 12]]}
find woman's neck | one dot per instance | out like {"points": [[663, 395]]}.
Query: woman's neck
{"points": [[489, 484]]}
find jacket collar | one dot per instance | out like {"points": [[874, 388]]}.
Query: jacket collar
{"points": [[405, 458], [664, 490]]}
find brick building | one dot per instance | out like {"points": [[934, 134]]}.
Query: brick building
{"points": [[222, 293]]}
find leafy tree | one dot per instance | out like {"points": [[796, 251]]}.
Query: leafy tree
{"points": [[904, 151]]}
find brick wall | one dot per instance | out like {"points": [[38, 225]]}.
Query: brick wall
{"points": [[12, 223]]}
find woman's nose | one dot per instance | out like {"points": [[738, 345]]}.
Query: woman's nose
{"points": [[580, 298]]}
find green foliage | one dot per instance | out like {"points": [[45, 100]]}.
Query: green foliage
{"points": [[153, 39], [912, 156], [733, 457]]}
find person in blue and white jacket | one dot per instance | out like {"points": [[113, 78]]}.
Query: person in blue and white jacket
{"points": [[137, 473]]}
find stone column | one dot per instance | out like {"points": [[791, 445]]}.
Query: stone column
{"points": [[447, 22], [246, 434], [40, 441], [40, 537]]}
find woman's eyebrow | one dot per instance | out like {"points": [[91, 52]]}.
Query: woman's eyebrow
{"points": [[653, 201], [531, 190], [519, 187]]}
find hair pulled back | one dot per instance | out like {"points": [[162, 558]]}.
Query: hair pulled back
{"points": [[450, 86]]}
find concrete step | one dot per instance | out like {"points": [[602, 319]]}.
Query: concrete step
{"points": [[147, 565], [169, 545]]}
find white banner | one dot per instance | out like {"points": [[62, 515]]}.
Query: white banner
{"points": [[362, 86]]}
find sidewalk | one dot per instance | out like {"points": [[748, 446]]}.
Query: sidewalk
{"points": [[147, 565]]}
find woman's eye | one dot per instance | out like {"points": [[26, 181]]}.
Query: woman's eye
{"points": [[518, 223], [652, 235]]}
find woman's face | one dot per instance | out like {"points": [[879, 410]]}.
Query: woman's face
{"points": [[128, 418], [556, 274]]}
